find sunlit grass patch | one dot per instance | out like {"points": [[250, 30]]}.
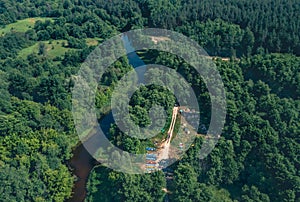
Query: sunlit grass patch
{"points": [[21, 25]]}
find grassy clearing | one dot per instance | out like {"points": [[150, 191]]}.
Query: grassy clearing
{"points": [[53, 48], [21, 25], [93, 41], [56, 48]]}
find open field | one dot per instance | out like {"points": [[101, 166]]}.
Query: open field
{"points": [[53, 49], [21, 25]]}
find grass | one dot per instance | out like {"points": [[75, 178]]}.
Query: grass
{"points": [[21, 25], [93, 41], [53, 49], [56, 48]]}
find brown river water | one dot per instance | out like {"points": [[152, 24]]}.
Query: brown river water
{"points": [[82, 163]]}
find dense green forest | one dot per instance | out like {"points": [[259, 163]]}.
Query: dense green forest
{"points": [[43, 43]]}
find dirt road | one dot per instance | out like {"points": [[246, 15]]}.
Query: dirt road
{"points": [[164, 154]]}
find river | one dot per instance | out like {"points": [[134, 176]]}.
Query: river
{"points": [[82, 162]]}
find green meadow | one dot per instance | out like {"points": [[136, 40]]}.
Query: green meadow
{"points": [[21, 25]]}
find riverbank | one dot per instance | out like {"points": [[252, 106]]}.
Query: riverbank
{"points": [[83, 162]]}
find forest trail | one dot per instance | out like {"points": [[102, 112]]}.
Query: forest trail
{"points": [[164, 154]]}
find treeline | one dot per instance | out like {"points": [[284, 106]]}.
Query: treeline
{"points": [[275, 24], [11, 44], [125, 187], [35, 148], [251, 26]]}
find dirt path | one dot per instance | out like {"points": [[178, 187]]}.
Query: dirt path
{"points": [[164, 154]]}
